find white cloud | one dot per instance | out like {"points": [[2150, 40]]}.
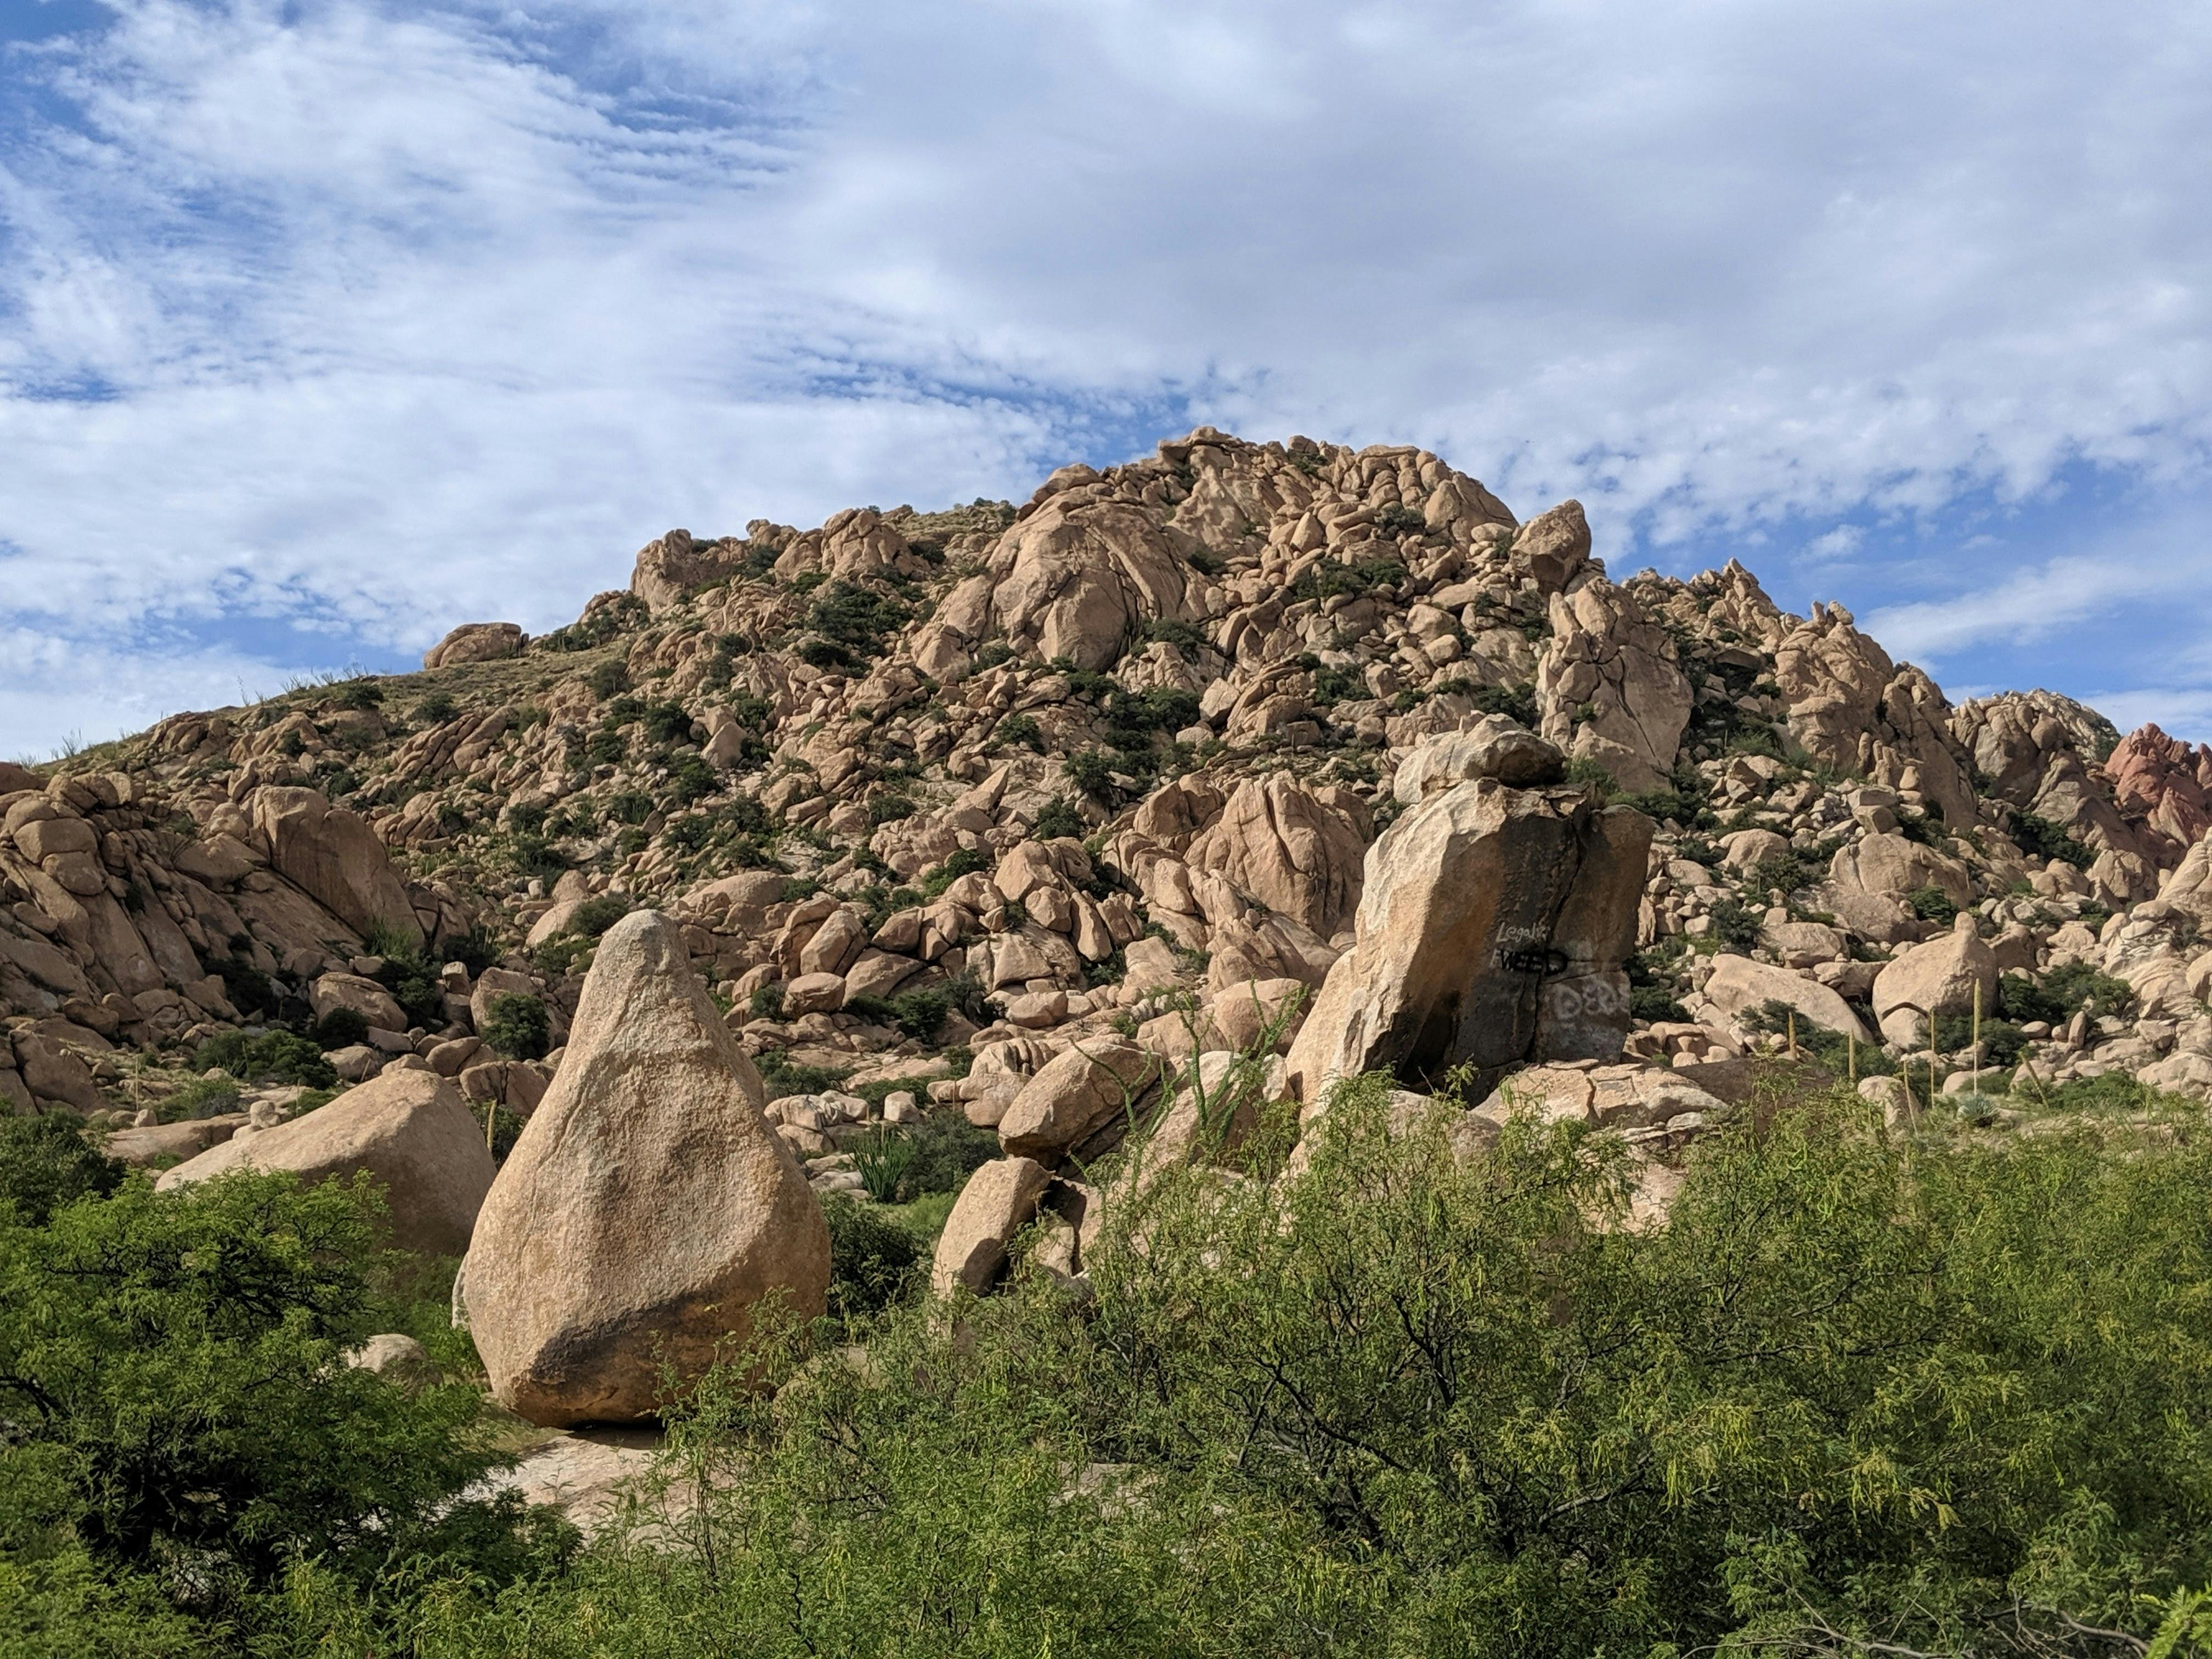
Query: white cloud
{"points": [[400, 315]]}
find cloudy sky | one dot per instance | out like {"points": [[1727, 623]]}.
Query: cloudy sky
{"points": [[325, 324]]}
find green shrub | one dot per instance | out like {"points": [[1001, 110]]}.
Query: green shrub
{"points": [[767, 1001], [201, 1097], [595, 915], [47, 1163], [873, 1261], [1932, 904], [1328, 578], [437, 708], [1333, 685], [2082, 985], [691, 780], [1592, 776], [1091, 770], [359, 694], [518, 1028], [947, 1150], [177, 1407], [667, 722], [920, 1014], [1785, 871], [249, 989], [1855, 1395], [2041, 838], [964, 862], [1184, 636], [1058, 818], [1018, 729], [341, 1028], [782, 1076], [882, 1160], [853, 624], [272, 1057], [2001, 1041], [1736, 925], [608, 679], [889, 807]]}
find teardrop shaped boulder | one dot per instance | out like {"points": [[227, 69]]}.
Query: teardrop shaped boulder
{"points": [[648, 1208]]}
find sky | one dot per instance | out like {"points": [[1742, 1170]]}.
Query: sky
{"points": [[328, 325]]}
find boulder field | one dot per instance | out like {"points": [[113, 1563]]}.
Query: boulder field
{"points": [[807, 840]]}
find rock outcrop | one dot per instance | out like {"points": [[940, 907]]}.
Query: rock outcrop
{"points": [[648, 1210], [939, 803], [1493, 932]]}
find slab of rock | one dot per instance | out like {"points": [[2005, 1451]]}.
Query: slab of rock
{"points": [[1000, 1200], [408, 1130], [1074, 1094], [1497, 747], [1609, 684], [476, 642], [158, 1143], [1279, 843], [1608, 1096], [648, 1208], [335, 858], [365, 997], [1492, 933], [1738, 985]]}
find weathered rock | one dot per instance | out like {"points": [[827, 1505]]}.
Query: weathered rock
{"points": [[476, 642], [1278, 843], [54, 1071], [2164, 785], [648, 1209], [1079, 580], [1740, 985], [1075, 1094], [408, 1130], [1491, 931], [394, 1355], [1497, 748], [336, 859], [365, 997], [1939, 977], [1000, 1200], [1891, 864], [158, 1143], [1609, 686]]}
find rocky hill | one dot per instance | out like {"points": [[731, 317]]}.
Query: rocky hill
{"points": [[932, 797]]}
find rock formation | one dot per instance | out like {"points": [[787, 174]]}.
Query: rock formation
{"points": [[947, 805], [646, 1212], [1493, 931]]}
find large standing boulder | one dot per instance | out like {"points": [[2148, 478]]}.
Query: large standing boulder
{"points": [[1492, 933], [1939, 977], [334, 857], [648, 1208], [408, 1129], [1000, 1200]]}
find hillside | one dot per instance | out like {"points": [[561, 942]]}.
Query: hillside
{"points": [[1250, 1056], [930, 788]]}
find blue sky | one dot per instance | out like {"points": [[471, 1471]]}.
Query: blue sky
{"points": [[327, 325]]}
